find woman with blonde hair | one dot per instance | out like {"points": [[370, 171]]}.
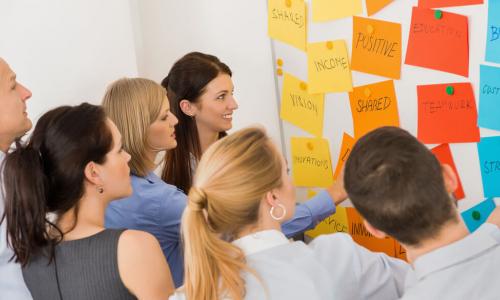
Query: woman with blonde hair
{"points": [[140, 109], [234, 247]]}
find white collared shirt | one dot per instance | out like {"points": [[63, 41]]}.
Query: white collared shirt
{"points": [[466, 269], [331, 267], [12, 284]]}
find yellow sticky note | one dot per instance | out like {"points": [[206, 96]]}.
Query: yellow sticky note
{"points": [[328, 67], [301, 108], [311, 164], [347, 144], [325, 10], [372, 106], [373, 6], [287, 22], [334, 223], [311, 193], [376, 47]]}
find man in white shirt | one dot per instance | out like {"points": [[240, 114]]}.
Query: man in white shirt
{"points": [[401, 190], [14, 123]]}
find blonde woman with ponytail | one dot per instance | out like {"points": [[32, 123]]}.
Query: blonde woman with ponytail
{"points": [[234, 247]]}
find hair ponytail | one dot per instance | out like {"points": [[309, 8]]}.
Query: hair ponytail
{"points": [[26, 191], [214, 265]]}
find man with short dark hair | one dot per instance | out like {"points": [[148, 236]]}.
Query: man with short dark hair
{"points": [[402, 190], [14, 123]]}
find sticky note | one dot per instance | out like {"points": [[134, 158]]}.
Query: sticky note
{"points": [[439, 44], [489, 161], [443, 154], [347, 144], [477, 215], [489, 97], [326, 10], [399, 251], [493, 32], [361, 236], [444, 117], [373, 6], [287, 22], [334, 223], [446, 3], [328, 67], [300, 108], [311, 164], [373, 106], [376, 47]]}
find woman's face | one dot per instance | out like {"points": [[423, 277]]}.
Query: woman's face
{"points": [[115, 172], [161, 133], [214, 111]]}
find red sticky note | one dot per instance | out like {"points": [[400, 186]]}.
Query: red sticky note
{"points": [[443, 154], [447, 114], [438, 43], [446, 3]]}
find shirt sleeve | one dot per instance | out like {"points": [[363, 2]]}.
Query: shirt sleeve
{"points": [[309, 214]]}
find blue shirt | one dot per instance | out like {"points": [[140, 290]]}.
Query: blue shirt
{"points": [[156, 207]]}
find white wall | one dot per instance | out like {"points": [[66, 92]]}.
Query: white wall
{"points": [[234, 31], [66, 52]]}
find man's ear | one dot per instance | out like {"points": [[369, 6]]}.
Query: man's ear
{"points": [[187, 108], [92, 173], [450, 178], [374, 231]]}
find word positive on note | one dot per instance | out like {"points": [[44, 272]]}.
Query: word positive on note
{"points": [[439, 41], [493, 32], [335, 223], [346, 148], [489, 162], [474, 217], [373, 106], [447, 114], [328, 67], [326, 10], [364, 238], [446, 3], [376, 47], [443, 154], [287, 22], [489, 97], [300, 108], [311, 163], [373, 6]]}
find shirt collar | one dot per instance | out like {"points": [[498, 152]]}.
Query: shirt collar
{"points": [[487, 236], [260, 241], [151, 177]]}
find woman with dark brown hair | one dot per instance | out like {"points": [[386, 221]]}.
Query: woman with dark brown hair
{"points": [[57, 187]]}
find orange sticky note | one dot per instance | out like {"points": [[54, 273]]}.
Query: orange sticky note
{"points": [[373, 106], [438, 41], [376, 47], [373, 6], [447, 114], [446, 3], [399, 251], [443, 154], [347, 144], [361, 236]]}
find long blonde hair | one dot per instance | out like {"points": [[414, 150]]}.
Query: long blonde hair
{"points": [[134, 104], [233, 176]]}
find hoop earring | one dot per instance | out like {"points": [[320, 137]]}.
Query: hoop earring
{"points": [[271, 212]]}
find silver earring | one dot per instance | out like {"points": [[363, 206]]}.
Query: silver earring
{"points": [[283, 208]]}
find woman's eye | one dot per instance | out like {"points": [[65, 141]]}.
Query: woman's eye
{"points": [[221, 97]]}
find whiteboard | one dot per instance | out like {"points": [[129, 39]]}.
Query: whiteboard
{"points": [[338, 117]]}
